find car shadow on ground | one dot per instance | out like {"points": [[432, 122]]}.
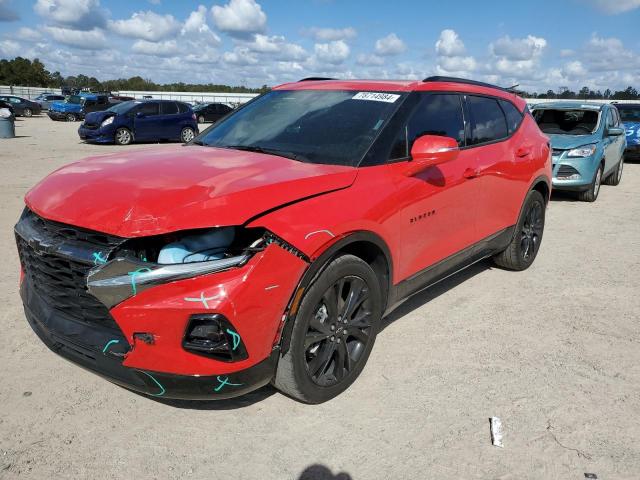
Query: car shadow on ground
{"points": [[321, 472], [425, 296], [560, 196]]}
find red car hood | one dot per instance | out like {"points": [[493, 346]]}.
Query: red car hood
{"points": [[166, 189]]}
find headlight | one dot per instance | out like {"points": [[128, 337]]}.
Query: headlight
{"points": [[107, 121], [585, 151], [142, 263]]}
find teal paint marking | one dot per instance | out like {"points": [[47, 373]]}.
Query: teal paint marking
{"points": [[162, 390], [109, 343], [236, 338], [98, 259], [224, 381], [133, 278]]}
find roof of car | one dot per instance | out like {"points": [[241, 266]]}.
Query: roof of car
{"points": [[429, 84], [569, 104]]}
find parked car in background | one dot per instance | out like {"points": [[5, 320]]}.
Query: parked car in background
{"points": [[630, 116], [141, 121], [21, 106], [269, 248], [211, 112], [120, 98], [588, 144], [46, 99], [75, 107]]}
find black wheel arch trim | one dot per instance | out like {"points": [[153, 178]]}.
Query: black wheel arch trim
{"points": [[318, 266]]}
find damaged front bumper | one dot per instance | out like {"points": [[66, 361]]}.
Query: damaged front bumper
{"points": [[139, 342]]}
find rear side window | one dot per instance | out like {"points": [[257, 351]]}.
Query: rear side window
{"points": [[169, 108], [150, 109], [488, 123], [436, 114], [89, 103], [514, 117], [182, 107]]}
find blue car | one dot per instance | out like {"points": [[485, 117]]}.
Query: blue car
{"points": [[630, 115], [588, 143], [75, 107], [142, 121]]}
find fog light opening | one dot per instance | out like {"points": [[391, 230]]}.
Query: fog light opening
{"points": [[212, 335]]}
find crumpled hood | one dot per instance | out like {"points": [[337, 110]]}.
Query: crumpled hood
{"points": [[565, 142], [165, 189], [65, 107], [633, 132], [97, 118]]}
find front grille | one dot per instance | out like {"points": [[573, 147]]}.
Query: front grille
{"points": [[56, 262], [91, 126], [566, 171]]}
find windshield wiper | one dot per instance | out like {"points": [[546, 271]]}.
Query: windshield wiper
{"points": [[268, 151]]}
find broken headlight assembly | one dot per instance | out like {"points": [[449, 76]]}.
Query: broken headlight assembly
{"points": [[141, 263]]}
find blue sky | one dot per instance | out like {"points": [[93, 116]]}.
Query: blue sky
{"points": [[540, 45]]}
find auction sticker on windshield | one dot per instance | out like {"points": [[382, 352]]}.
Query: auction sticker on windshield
{"points": [[376, 97]]}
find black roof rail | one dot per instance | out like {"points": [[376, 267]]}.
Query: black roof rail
{"points": [[313, 79], [465, 81]]}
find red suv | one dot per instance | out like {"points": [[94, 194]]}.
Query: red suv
{"points": [[270, 247]]}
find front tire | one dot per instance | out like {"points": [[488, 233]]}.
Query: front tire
{"points": [[27, 112], [524, 246], [591, 194], [70, 117], [615, 177], [123, 136], [333, 334]]}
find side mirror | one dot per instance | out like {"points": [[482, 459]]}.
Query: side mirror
{"points": [[139, 115], [615, 131], [429, 150]]}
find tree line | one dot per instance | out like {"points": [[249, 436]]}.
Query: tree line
{"points": [[24, 72], [33, 73]]}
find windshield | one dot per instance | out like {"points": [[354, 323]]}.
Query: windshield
{"points": [[314, 126], [629, 114], [567, 122], [123, 107], [77, 99]]}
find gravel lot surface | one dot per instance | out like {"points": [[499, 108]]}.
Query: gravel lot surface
{"points": [[553, 351]]}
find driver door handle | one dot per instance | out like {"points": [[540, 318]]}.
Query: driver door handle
{"points": [[524, 151], [470, 173]]}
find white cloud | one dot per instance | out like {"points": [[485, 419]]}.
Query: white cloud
{"points": [[457, 64], [28, 34], [567, 52], [390, 45], [146, 26], [167, 48], [276, 46], [333, 52], [239, 17], [330, 34], [196, 27], [79, 14], [10, 48], [86, 39], [574, 70], [614, 7], [7, 14], [240, 56], [518, 49], [369, 59], [609, 54], [449, 44]]}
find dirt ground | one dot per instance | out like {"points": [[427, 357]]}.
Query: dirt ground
{"points": [[553, 351]]}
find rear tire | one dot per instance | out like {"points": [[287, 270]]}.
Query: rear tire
{"points": [[615, 177], [200, 119], [27, 112], [524, 246], [123, 136], [70, 117], [333, 333], [591, 194], [187, 134]]}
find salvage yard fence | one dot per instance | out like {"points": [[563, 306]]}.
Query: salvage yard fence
{"points": [[232, 99]]}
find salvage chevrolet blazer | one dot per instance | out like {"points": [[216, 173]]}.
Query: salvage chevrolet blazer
{"points": [[270, 247]]}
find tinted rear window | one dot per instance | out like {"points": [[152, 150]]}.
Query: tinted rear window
{"points": [[488, 123], [629, 114], [182, 107], [514, 117], [169, 108], [149, 108]]}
